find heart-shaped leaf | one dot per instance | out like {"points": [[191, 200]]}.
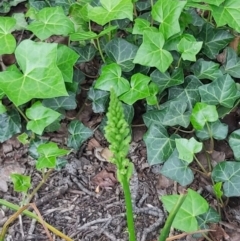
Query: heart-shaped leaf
{"points": [[7, 41], [153, 91], [232, 63], [187, 148], [216, 130], [193, 205], [111, 10], [177, 170], [78, 134], [99, 99], [203, 69], [159, 145], [21, 183], [203, 113], [151, 52], [40, 117], [111, 78], [222, 91], [214, 40], [154, 116], [167, 13], [234, 142], [41, 77], [228, 172], [51, 21], [140, 25], [121, 52], [86, 53], [139, 89]]}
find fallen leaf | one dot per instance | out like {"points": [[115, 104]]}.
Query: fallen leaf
{"points": [[104, 179]]}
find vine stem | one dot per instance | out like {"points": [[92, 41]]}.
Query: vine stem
{"points": [[200, 165], [22, 114], [129, 208], [100, 50], [211, 139]]}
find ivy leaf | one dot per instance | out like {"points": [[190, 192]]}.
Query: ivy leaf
{"points": [[40, 117], [193, 205], [139, 89], [121, 52], [41, 77], [2, 108], [151, 52], [164, 80], [7, 41], [228, 172], [217, 188], [128, 111], [51, 21], [187, 148], [21, 183], [111, 78], [154, 116], [189, 49], [167, 13], [232, 64], [222, 91], [188, 92], [83, 36], [66, 58], [86, 53], [234, 142], [111, 10], [63, 102], [214, 40], [159, 145], [140, 25], [10, 124], [23, 138], [99, 99], [153, 91], [48, 153], [203, 69], [218, 131], [203, 113], [177, 170], [78, 134], [213, 2], [227, 13], [177, 115]]}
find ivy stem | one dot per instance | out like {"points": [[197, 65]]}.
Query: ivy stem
{"points": [[22, 114], [100, 50], [166, 229], [129, 209], [200, 165], [211, 139], [179, 62]]}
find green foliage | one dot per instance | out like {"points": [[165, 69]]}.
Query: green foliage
{"points": [[21, 183]]}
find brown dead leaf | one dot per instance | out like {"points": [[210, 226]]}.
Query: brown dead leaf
{"points": [[163, 182], [219, 234], [106, 154], [216, 157], [235, 42], [92, 143], [104, 179], [221, 58]]}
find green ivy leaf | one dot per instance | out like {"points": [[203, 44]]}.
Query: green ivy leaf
{"points": [[41, 77], [154, 116], [167, 13], [86, 53], [189, 49], [217, 188], [193, 205], [203, 69], [23, 138], [214, 40], [121, 52], [213, 2], [222, 91], [139, 89], [111, 10], [187, 148], [164, 80], [159, 145], [7, 41], [177, 115], [66, 58], [51, 21], [228, 172], [40, 117], [83, 36], [111, 78], [188, 92], [234, 142], [78, 134], [140, 25], [21, 183], [64, 102], [2, 108], [227, 13], [151, 52], [232, 64], [177, 170], [203, 113], [10, 124], [99, 99], [48, 153], [153, 91], [128, 113], [21, 23], [218, 131]]}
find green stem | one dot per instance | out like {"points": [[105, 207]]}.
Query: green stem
{"points": [[129, 209], [100, 50], [179, 62], [200, 165], [135, 10], [166, 229], [211, 139], [22, 114]]}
